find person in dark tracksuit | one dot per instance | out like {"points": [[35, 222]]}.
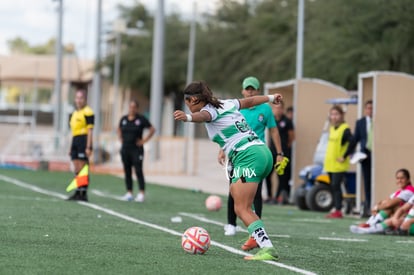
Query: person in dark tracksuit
{"points": [[130, 132], [287, 136]]}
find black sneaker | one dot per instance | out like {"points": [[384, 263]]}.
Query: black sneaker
{"points": [[83, 196], [271, 201], [402, 232], [75, 197], [390, 231], [365, 213], [396, 232]]}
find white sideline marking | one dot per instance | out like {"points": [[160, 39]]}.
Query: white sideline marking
{"points": [[106, 195], [200, 218], [311, 220], [27, 198], [405, 241], [134, 220], [342, 239], [239, 229], [279, 236], [32, 187]]}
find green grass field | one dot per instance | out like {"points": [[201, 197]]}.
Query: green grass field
{"points": [[41, 233]]}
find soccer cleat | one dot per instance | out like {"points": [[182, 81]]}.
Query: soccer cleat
{"points": [[284, 198], [249, 244], [83, 196], [396, 232], [365, 213], [402, 232], [127, 197], [271, 201], [391, 231], [359, 230], [229, 230], [140, 197], [337, 214], [268, 200], [363, 225], [264, 254], [75, 197]]}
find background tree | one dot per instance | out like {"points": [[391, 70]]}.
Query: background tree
{"points": [[258, 37], [136, 54], [248, 39], [20, 46], [342, 39]]}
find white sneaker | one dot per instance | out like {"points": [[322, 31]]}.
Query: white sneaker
{"points": [[140, 197], [229, 230], [358, 230], [127, 197]]}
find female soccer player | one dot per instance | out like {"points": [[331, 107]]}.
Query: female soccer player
{"points": [[380, 219], [250, 159]]}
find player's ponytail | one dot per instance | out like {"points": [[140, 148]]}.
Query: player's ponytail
{"points": [[202, 92]]}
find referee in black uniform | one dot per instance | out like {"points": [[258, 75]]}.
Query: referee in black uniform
{"points": [[130, 132]]}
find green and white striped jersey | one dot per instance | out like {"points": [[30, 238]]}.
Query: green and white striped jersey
{"points": [[228, 127]]}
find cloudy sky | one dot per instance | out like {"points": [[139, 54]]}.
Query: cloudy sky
{"points": [[36, 20]]}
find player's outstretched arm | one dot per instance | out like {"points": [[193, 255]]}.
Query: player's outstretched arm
{"points": [[193, 117], [259, 99]]}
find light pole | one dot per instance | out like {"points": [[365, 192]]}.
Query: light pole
{"points": [[157, 78], [119, 28], [97, 87], [58, 79], [299, 41], [189, 154]]}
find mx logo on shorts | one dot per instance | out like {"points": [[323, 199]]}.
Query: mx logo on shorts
{"points": [[239, 172]]}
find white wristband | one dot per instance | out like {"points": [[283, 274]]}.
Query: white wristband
{"points": [[271, 98], [189, 117]]}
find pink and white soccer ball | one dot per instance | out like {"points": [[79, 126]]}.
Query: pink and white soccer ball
{"points": [[195, 240], [213, 203]]}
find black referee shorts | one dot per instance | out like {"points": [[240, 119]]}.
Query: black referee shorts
{"points": [[78, 148]]}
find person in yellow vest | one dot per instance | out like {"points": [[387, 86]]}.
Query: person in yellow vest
{"points": [[336, 162], [81, 124]]}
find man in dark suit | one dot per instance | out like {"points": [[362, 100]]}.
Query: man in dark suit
{"points": [[363, 130]]}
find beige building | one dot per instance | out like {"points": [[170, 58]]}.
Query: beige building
{"points": [[28, 103], [27, 84]]}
